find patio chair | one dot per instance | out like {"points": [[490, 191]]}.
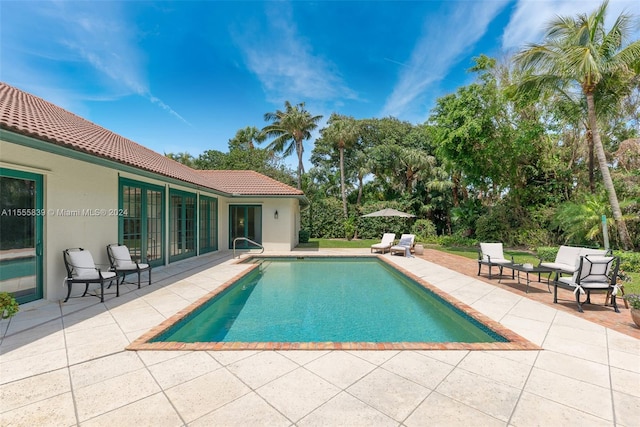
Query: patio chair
{"points": [[405, 245], [122, 264], [81, 269], [594, 273], [385, 244], [491, 254]]}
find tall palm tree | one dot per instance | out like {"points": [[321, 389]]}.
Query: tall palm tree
{"points": [[247, 138], [290, 128], [343, 132], [581, 51]]}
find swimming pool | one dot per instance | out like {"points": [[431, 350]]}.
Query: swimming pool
{"points": [[321, 302]]}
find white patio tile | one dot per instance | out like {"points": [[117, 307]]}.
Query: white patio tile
{"points": [[625, 381], [297, 393], [302, 357], [231, 356], [485, 395], [491, 366], [104, 368], [584, 350], [532, 330], [595, 337], [340, 368], [374, 357], [150, 358], [32, 343], [533, 410], [41, 413], [259, 369], [533, 310], [622, 342], [138, 319], [389, 393], [624, 360], [574, 367], [183, 368], [247, 411], [205, 394], [451, 357], [114, 393], [421, 369], [627, 408], [345, 410], [154, 410], [29, 366], [33, 389], [439, 410], [567, 391], [89, 344]]}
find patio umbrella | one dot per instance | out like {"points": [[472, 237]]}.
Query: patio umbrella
{"points": [[389, 212]]}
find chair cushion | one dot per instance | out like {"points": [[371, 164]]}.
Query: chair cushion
{"points": [[381, 245], [405, 241], [493, 250], [82, 265], [121, 255], [131, 266], [565, 268], [567, 255], [388, 238]]}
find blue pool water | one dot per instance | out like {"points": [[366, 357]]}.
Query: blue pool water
{"points": [[327, 299]]}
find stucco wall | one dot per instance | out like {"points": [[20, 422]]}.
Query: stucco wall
{"points": [[81, 201]]}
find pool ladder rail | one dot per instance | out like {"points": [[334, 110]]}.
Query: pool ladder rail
{"points": [[247, 240]]}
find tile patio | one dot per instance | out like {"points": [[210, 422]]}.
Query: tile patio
{"points": [[65, 364]]}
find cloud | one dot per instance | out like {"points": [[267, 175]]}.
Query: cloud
{"points": [[446, 38], [530, 17], [85, 37], [285, 63]]}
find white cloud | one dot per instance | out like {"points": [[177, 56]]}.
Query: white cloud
{"points": [[445, 39], [285, 63], [530, 17], [86, 36]]}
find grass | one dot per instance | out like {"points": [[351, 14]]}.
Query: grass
{"points": [[520, 257]]}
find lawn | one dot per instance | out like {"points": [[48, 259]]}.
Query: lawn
{"points": [[521, 257]]}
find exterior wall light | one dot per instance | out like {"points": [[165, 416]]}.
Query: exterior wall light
{"points": [[275, 215]]}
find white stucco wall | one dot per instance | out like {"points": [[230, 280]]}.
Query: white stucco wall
{"points": [[74, 188]]}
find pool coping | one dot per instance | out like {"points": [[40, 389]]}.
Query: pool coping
{"points": [[515, 341]]}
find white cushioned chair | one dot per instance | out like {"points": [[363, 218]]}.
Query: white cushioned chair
{"points": [[81, 269], [122, 264], [593, 273], [491, 254], [385, 244], [568, 257], [405, 245]]}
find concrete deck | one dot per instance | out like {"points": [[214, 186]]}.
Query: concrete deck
{"points": [[65, 364]]}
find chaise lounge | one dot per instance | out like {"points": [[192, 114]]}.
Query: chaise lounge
{"points": [[385, 244], [405, 245]]}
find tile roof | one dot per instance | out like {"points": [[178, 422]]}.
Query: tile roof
{"points": [[26, 114], [247, 182]]}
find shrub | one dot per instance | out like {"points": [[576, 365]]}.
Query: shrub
{"points": [[303, 236], [633, 300], [425, 231], [547, 253], [8, 305], [349, 228]]}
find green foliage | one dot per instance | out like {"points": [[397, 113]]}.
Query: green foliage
{"points": [[547, 253], [458, 241], [324, 218], [629, 261], [303, 236], [425, 231], [8, 305], [349, 228], [633, 300]]}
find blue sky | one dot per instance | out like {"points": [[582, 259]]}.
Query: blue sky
{"points": [[186, 75]]}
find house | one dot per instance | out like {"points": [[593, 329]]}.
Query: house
{"points": [[66, 182]]}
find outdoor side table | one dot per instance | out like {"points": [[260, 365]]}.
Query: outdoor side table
{"points": [[529, 269]]}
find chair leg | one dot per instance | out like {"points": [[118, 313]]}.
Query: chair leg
{"points": [[578, 301], [555, 294], [479, 267], [489, 271], [69, 284], [149, 276], [86, 289], [101, 291], [138, 279], [614, 303]]}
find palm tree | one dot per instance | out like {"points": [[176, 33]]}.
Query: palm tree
{"points": [[580, 51], [290, 127], [247, 138], [343, 132]]}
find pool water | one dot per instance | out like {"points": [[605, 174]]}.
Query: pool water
{"points": [[327, 299]]}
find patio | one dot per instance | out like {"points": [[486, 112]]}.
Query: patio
{"points": [[65, 364]]}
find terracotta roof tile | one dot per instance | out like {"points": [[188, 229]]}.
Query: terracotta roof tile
{"points": [[247, 182], [26, 114]]}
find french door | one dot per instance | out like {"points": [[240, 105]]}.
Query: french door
{"points": [[246, 221], [21, 220]]}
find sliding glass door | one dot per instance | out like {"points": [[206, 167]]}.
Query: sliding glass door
{"points": [[245, 221], [21, 220]]}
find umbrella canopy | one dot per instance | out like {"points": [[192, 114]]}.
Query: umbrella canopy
{"points": [[389, 212]]}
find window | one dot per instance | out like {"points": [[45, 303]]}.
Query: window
{"points": [[182, 225]]}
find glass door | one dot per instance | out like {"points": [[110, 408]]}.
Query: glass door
{"points": [[246, 221], [21, 219]]}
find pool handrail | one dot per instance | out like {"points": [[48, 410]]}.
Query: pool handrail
{"points": [[248, 240]]}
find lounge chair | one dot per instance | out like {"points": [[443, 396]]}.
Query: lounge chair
{"points": [[405, 245], [122, 264], [594, 273], [566, 261], [81, 269], [385, 244], [491, 254]]}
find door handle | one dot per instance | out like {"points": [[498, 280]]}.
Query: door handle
{"points": [[39, 249]]}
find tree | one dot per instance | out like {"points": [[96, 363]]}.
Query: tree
{"points": [[247, 138], [581, 51], [343, 132], [184, 158], [290, 128]]}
